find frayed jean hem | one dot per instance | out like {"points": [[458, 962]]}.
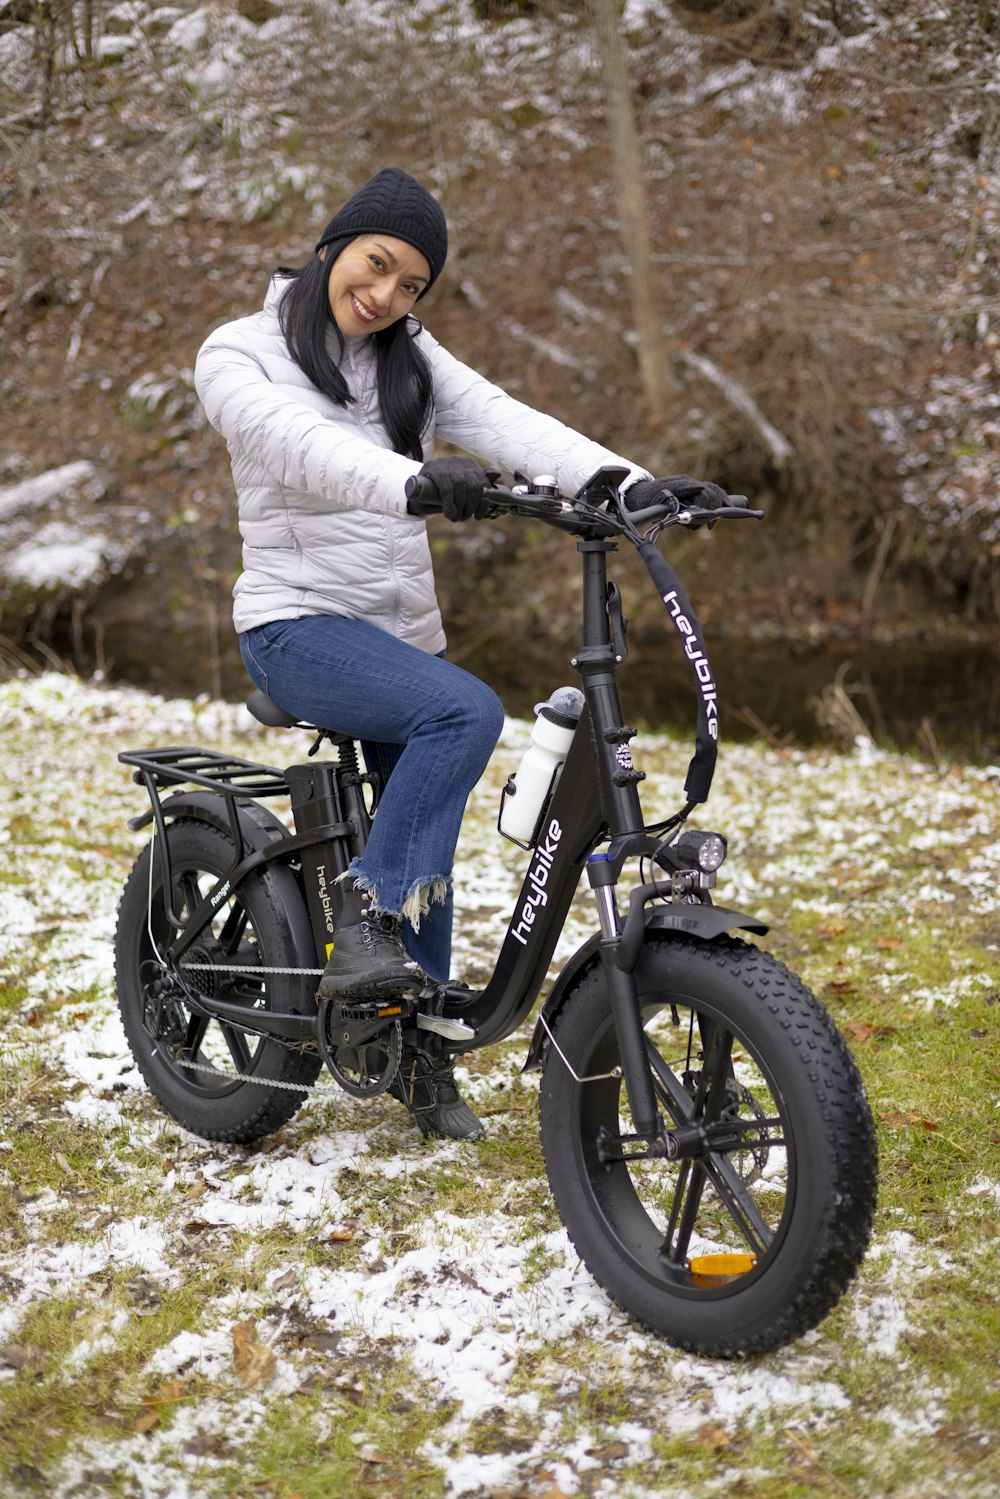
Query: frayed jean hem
{"points": [[417, 902]]}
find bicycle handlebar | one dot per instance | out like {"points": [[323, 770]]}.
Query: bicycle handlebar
{"points": [[422, 499]]}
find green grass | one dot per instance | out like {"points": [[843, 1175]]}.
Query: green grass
{"points": [[125, 1373]]}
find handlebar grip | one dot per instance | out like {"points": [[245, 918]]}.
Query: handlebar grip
{"points": [[422, 496], [733, 502]]}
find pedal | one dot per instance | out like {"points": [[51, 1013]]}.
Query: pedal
{"points": [[443, 1025]]}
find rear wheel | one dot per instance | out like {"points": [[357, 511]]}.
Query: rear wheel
{"points": [[197, 1068], [749, 1240]]}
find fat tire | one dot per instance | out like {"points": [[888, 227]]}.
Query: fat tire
{"points": [[827, 1213], [242, 1112]]}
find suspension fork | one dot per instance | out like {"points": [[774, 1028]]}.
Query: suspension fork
{"points": [[623, 995]]}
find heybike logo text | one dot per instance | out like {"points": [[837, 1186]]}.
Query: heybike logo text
{"points": [[698, 660], [323, 890], [538, 878]]}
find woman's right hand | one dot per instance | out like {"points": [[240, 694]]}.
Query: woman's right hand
{"points": [[461, 485]]}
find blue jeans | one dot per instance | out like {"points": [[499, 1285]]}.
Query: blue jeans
{"points": [[427, 729]]}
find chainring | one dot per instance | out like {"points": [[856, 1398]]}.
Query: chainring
{"points": [[371, 1068]]}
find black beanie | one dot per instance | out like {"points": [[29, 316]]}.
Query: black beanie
{"points": [[394, 203]]}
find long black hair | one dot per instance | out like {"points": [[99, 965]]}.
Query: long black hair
{"points": [[403, 377]]}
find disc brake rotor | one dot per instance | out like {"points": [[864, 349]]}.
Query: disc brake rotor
{"points": [[751, 1157]]}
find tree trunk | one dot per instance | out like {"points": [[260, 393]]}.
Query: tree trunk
{"points": [[630, 197], [28, 179]]}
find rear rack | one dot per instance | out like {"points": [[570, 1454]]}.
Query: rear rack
{"points": [[177, 765]]}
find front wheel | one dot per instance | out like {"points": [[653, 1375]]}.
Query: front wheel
{"points": [[219, 1081], [750, 1239]]}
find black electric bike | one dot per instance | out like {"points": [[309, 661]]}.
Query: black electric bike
{"points": [[706, 1134]]}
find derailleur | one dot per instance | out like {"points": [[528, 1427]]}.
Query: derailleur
{"points": [[362, 1042]]}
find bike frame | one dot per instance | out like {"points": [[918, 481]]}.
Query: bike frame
{"points": [[595, 798]]}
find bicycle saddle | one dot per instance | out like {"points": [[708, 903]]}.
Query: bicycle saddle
{"points": [[265, 710]]}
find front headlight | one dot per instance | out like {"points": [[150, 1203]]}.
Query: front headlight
{"points": [[704, 851]]}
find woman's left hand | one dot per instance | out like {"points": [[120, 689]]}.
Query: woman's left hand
{"points": [[686, 491]]}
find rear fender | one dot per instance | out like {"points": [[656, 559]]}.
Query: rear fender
{"points": [[704, 922], [258, 825]]}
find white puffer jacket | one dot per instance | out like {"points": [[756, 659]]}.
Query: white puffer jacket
{"points": [[322, 508]]}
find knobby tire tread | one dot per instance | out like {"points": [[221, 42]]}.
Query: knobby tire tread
{"points": [[844, 1226], [255, 1110]]}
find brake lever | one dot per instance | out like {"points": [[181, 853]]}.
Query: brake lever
{"points": [[695, 518]]}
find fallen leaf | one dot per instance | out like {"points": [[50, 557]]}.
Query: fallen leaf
{"points": [[895, 1120], [199, 1189], [888, 944], [283, 1282], [168, 1393], [860, 1030], [172, 1390], [610, 1451], [341, 1235], [715, 1436], [254, 1363], [24, 1357]]}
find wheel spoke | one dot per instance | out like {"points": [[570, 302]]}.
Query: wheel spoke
{"points": [[738, 1201], [693, 1176], [666, 1083], [190, 900], [238, 1048], [233, 928], [716, 1071], [197, 1026]]}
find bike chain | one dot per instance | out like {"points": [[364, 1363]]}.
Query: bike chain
{"points": [[235, 968], [244, 1077]]}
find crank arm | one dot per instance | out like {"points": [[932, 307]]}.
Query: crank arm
{"points": [[355, 1025]]}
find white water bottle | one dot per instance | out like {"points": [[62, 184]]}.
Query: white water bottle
{"points": [[527, 790]]}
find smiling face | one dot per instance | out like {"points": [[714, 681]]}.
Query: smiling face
{"points": [[375, 282]]}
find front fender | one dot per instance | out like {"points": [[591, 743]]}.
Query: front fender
{"points": [[703, 922]]}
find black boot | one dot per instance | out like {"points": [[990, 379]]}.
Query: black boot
{"points": [[368, 960], [426, 1085]]}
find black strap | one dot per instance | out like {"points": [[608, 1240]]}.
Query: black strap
{"points": [[685, 621]]}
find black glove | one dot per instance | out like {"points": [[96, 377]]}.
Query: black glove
{"points": [[696, 492], [461, 485]]}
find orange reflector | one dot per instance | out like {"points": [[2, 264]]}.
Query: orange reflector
{"points": [[707, 1269]]}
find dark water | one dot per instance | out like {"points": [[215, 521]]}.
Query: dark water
{"points": [[909, 697], [916, 698]]}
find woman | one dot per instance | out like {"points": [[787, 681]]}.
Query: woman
{"points": [[330, 398]]}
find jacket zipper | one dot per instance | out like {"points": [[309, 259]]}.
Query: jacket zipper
{"points": [[387, 526]]}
